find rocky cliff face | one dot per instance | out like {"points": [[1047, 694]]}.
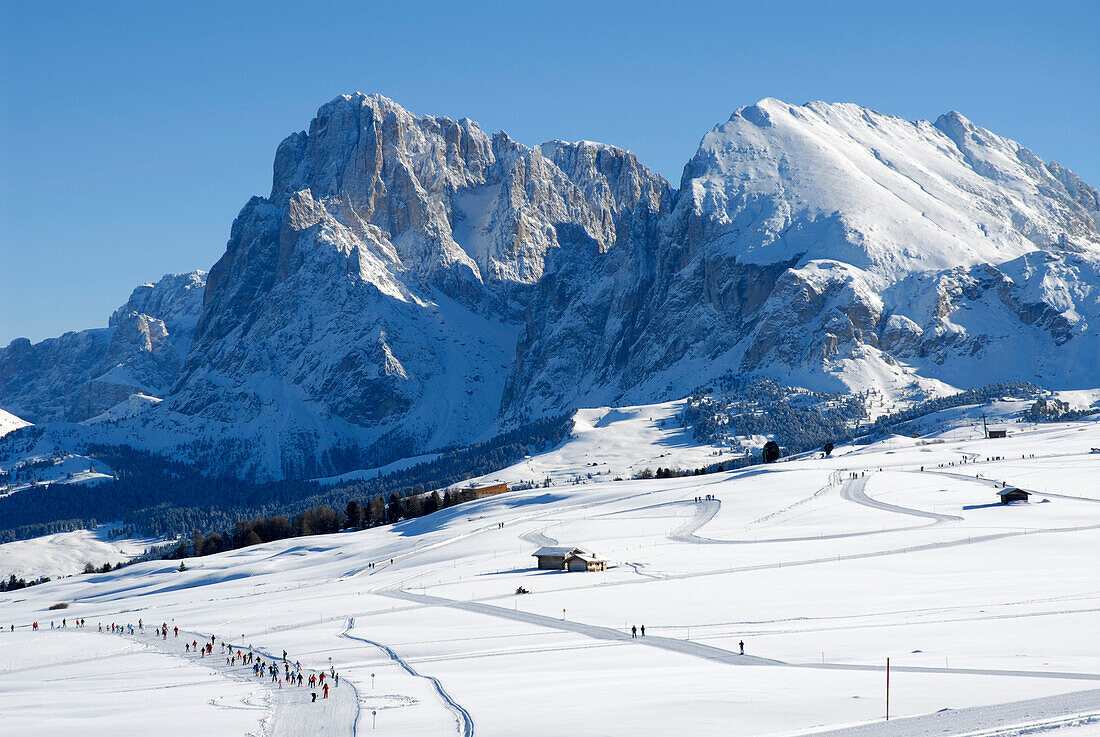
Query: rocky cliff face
{"points": [[836, 248], [411, 282], [374, 297], [81, 374]]}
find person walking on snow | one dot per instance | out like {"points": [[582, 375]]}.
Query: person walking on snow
{"points": [[742, 644], [326, 690], [643, 630], [634, 631]]}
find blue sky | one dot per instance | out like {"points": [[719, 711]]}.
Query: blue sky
{"points": [[131, 134]]}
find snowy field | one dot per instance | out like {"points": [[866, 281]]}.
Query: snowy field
{"points": [[66, 553], [824, 568]]}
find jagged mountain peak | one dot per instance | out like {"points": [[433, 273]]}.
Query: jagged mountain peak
{"points": [[898, 196]]}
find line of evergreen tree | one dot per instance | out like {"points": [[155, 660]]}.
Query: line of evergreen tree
{"points": [[14, 584], [160, 497]]}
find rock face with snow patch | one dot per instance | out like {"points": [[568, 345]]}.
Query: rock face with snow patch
{"points": [[374, 298], [81, 374], [411, 282], [834, 247]]}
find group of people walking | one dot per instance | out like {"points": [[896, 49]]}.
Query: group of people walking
{"points": [[53, 625], [281, 672]]}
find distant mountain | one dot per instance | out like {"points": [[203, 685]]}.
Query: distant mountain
{"points": [[81, 374], [412, 283]]}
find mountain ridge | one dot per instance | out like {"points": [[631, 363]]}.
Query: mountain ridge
{"points": [[412, 282]]}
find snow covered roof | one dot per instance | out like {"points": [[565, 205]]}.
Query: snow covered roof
{"points": [[558, 550], [1010, 490], [586, 557], [485, 484]]}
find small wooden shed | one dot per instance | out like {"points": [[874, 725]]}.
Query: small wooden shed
{"points": [[1011, 494], [998, 432], [581, 562]]}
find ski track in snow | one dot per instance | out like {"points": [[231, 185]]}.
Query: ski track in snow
{"points": [[997, 720], [463, 720], [291, 712], [539, 538], [991, 483], [702, 650], [851, 490], [854, 490]]}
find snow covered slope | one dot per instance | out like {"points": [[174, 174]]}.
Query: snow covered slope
{"points": [[9, 422], [40, 470], [609, 442], [66, 553], [823, 568]]}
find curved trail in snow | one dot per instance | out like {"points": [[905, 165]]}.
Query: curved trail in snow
{"points": [[997, 485], [851, 490], [539, 538], [854, 490], [1011, 719], [463, 720]]}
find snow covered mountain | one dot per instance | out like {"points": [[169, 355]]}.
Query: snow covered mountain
{"points": [[834, 247], [412, 282], [81, 374], [373, 300]]}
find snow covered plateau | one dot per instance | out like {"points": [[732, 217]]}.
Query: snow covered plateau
{"points": [[411, 283], [822, 567]]}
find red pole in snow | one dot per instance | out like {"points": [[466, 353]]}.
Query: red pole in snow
{"points": [[888, 689]]}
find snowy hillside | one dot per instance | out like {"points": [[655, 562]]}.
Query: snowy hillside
{"points": [[822, 568], [33, 471], [66, 553], [9, 422], [609, 442]]}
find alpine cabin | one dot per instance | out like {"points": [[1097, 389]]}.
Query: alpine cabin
{"points": [[1011, 494], [491, 488]]}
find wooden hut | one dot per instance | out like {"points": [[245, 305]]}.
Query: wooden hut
{"points": [[492, 488], [552, 557], [1011, 494], [584, 562]]}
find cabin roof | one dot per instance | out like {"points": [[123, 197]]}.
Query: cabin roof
{"points": [[556, 550], [586, 557]]}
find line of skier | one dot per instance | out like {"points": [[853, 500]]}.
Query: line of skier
{"points": [[53, 625], [281, 672]]}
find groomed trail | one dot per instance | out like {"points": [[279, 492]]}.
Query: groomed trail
{"points": [[702, 650], [855, 490], [291, 710], [463, 720], [1033, 716]]}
